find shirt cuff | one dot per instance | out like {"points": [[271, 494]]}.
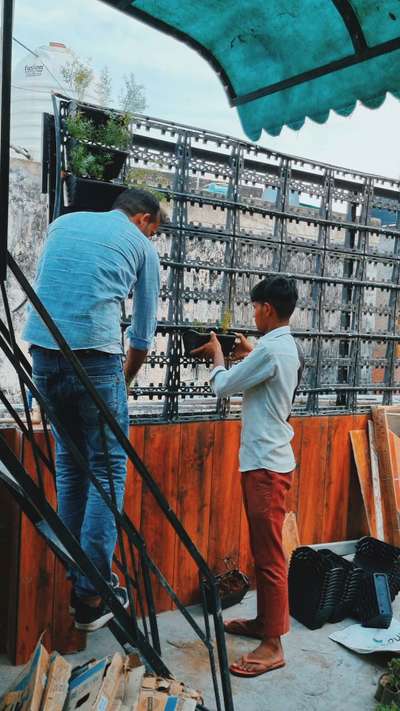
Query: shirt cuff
{"points": [[217, 369], [141, 344]]}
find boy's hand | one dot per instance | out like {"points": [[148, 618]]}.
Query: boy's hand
{"points": [[211, 350], [242, 347]]}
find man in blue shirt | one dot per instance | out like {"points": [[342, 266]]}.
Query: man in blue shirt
{"points": [[90, 263]]}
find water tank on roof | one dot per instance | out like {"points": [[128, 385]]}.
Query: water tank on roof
{"points": [[33, 79]]}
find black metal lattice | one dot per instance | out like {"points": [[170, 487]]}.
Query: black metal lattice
{"points": [[239, 212]]}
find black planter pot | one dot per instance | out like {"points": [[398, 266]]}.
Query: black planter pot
{"points": [[384, 693], [193, 339], [91, 195], [115, 163], [389, 697]]}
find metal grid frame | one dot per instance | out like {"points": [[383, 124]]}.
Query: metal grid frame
{"points": [[320, 225]]}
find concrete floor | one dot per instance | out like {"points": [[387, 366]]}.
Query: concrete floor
{"points": [[320, 675]]}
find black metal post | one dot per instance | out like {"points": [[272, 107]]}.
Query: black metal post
{"points": [[6, 56]]}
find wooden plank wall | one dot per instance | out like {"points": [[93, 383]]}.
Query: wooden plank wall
{"points": [[196, 466], [9, 517], [40, 592]]}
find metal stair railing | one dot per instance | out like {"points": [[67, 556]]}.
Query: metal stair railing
{"points": [[132, 558]]}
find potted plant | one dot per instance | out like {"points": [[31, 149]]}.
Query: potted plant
{"points": [[227, 340], [197, 337], [107, 142], [388, 691]]}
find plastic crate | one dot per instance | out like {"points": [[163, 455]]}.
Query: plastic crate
{"points": [[351, 582], [315, 586], [375, 556]]}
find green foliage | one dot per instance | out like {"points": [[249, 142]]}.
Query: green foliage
{"points": [[226, 320], [78, 75], [147, 179], [80, 127], [132, 97], [393, 677], [385, 707], [115, 132], [85, 164], [104, 87]]}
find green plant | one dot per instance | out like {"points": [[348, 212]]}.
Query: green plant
{"points": [[385, 707], [132, 96], [85, 164], [147, 179], [80, 127], [104, 86], [78, 75], [393, 677], [115, 132], [226, 320]]}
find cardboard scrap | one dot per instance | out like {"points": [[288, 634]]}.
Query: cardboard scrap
{"points": [[367, 640], [48, 683], [110, 685], [57, 683], [27, 690], [85, 684]]}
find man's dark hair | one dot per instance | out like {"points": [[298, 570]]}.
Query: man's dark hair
{"points": [[134, 201], [279, 291]]}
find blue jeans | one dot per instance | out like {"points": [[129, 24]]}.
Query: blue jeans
{"points": [[80, 506]]}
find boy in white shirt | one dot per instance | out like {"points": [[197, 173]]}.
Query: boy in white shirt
{"points": [[267, 376]]}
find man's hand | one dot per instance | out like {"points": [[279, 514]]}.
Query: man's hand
{"points": [[134, 359], [242, 347], [210, 351]]}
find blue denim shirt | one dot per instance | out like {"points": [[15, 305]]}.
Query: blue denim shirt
{"points": [[89, 264]]}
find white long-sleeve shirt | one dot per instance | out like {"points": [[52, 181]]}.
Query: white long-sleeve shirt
{"points": [[267, 377]]}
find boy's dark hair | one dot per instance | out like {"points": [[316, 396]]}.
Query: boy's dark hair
{"points": [[134, 201], [279, 291]]}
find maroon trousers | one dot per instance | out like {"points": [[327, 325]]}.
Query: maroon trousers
{"points": [[264, 494]]}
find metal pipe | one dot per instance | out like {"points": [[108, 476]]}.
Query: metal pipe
{"points": [[6, 58]]}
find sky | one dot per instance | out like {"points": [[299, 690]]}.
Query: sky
{"points": [[182, 87]]}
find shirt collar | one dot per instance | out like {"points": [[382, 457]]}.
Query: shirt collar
{"points": [[276, 332], [121, 213]]}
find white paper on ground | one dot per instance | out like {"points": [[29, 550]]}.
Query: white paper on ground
{"points": [[368, 640]]}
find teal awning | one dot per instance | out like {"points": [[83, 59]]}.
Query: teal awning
{"points": [[283, 60]]}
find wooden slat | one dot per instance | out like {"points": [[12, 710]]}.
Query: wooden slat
{"points": [[376, 485], [193, 508], [337, 480], [9, 525], [133, 489], [35, 599], [226, 497], [360, 445], [66, 638], [133, 507], [389, 509], [161, 455], [292, 501], [312, 479]]}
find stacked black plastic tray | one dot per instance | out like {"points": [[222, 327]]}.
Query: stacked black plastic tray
{"points": [[375, 556], [315, 586], [324, 587]]}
